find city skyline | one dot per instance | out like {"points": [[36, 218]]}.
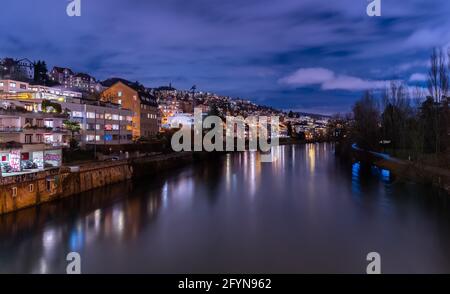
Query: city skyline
{"points": [[299, 56]]}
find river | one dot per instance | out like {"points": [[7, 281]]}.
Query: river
{"points": [[307, 212]]}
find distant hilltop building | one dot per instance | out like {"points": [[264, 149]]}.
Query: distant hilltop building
{"points": [[76, 81], [16, 69]]}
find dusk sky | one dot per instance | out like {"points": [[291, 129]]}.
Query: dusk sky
{"points": [[306, 55]]}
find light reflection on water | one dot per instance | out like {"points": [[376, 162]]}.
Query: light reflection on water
{"points": [[306, 212]]}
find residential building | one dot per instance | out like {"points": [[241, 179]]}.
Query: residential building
{"points": [[20, 69], [75, 81], [13, 86], [145, 118], [101, 123], [63, 76], [29, 140]]}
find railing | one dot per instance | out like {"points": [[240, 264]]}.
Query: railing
{"points": [[10, 130]]}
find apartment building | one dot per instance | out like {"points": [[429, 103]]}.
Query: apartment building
{"points": [[145, 119], [29, 139], [76, 81], [101, 123]]}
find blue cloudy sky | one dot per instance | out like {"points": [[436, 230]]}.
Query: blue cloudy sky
{"points": [[307, 55]]}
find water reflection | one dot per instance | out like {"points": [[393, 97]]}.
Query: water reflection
{"points": [[237, 214]]}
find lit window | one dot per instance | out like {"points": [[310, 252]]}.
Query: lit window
{"points": [[115, 117], [1, 84], [108, 116], [119, 94], [77, 114], [90, 115], [119, 101], [12, 85]]}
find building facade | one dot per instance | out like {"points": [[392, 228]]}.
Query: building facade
{"points": [[101, 123], [29, 140], [145, 118]]}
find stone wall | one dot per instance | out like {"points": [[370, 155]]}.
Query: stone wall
{"points": [[20, 192], [32, 189]]}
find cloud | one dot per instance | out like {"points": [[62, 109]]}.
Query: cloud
{"points": [[328, 80], [418, 77]]}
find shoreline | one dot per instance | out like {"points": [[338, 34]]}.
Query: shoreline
{"points": [[406, 170]]}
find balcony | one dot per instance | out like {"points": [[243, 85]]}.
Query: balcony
{"points": [[10, 130]]}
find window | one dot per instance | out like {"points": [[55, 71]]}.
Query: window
{"points": [[14, 191], [12, 85], [115, 127], [119, 94], [28, 139], [90, 115], [99, 115], [23, 86], [115, 117], [108, 127], [49, 185], [119, 101], [1, 84], [108, 116], [31, 188], [77, 114], [39, 138]]}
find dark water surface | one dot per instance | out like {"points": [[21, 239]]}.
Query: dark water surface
{"points": [[306, 213]]}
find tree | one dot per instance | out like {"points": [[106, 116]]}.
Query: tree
{"points": [[438, 88], [40, 72], [366, 122], [395, 116], [73, 127]]}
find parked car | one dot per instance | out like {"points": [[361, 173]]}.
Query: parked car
{"points": [[28, 164], [6, 168]]}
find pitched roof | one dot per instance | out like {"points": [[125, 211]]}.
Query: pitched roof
{"points": [[144, 95], [62, 69]]}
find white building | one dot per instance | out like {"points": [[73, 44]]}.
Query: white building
{"points": [[101, 123], [29, 140]]}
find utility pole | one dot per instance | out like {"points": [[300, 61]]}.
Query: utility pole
{"points": [[194, 87]]}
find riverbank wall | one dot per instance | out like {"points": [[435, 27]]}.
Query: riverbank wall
{"points": [[407, 170], [21, 191]]}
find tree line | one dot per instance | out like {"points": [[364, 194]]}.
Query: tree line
{"points": [[403, 121]]}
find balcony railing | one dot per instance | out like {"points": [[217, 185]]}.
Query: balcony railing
{"points": [[10, 130]]}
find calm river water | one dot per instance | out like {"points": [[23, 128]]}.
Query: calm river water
{"points": [[306, 213]]}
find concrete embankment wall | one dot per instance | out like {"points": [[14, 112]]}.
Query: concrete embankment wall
{"points": [[32, 189]]}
